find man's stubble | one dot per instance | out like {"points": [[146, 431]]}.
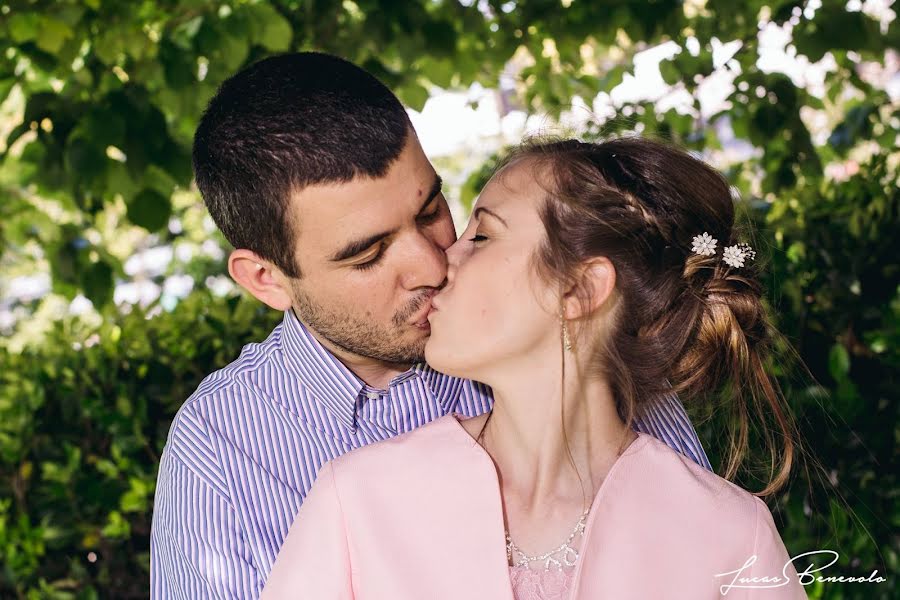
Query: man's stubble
{"points": [[360, 336]]}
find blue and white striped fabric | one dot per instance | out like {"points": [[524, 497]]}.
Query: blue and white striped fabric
{"points": [[245, 449]]}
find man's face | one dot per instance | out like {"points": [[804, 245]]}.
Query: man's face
{"points": [[371, 253]]}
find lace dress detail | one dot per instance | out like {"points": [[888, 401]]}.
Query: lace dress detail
{"points": [[541, 584]]}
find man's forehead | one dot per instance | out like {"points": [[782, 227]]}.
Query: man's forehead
{"points": [[361, 194], [329, 215]]}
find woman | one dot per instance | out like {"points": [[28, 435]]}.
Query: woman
{"points": [[588, 275]]}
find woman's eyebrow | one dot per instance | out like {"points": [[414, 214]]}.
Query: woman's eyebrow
{"points": [[488, 211]]}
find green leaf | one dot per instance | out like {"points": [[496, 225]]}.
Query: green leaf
{"points": [[234, 49], [53, 34], [611, 78], [24, 27], [669, 71], [85, 160], [272, 31], [97, 282], [150, 210], [116, 526], [119, 181], [441, 72], [413, 95], [839, 362]]}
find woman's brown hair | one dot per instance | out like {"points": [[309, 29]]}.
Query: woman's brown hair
{"points": [[687, 323]]}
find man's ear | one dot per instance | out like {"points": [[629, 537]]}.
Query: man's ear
{"points": [[591, 290], [259, 277]]}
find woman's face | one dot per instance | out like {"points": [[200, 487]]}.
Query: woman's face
{"points": [[495, 310]]}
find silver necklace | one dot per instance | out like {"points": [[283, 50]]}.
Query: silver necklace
{"points": [[568, 555]]}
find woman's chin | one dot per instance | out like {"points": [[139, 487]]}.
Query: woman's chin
{"points": [[439, 359], [431, 353]]}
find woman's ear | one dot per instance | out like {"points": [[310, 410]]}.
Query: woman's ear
{"points": [[259, 277], [592, 289]]}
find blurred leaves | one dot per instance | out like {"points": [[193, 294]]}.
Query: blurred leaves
{"points": [[111, 93], [84, 419]]}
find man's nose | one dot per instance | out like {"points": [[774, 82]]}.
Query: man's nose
{"points": [[427, 265], [455, 254]]}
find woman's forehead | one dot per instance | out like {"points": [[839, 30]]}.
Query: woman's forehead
{"points": [[515, 181]]}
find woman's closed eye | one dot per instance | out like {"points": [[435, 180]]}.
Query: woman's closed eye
{"points": [[478, 238]]}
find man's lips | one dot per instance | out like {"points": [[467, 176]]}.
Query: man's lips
{"points": [[421, 318]]}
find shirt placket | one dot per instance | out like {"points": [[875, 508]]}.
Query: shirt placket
{"points": [[376, 410]]}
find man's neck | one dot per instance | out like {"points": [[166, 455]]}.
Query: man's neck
{"points": [[375, 373]]}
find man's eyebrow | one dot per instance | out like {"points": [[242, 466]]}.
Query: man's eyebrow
{"points": [[482, 209], [355, 247], [435, 190]]}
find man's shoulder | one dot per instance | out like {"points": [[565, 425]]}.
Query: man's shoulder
{"points": [[254, 358], [410, 450], [232, 383]]}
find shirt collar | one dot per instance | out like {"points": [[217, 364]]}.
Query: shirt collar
{"points": [[445, 388], [337, 387], [327, 378]]}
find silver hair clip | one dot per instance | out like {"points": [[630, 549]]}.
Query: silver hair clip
{"points": [[734, 256], [704, 245]]}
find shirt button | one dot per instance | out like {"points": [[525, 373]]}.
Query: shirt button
{"points": [[372, 396]]}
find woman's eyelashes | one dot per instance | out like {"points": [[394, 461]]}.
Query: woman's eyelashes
{"points": [[478, 238]]}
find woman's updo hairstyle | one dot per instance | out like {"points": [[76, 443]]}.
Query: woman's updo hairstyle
{"points": [[685, 323]]}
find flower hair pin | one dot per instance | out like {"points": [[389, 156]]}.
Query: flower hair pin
{"points": [[704, 245], [734, 256]]}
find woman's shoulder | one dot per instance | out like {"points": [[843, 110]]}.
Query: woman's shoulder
{"points": [[690, 485]]}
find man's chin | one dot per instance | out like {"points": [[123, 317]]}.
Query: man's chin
{"points": [[414, 343]]}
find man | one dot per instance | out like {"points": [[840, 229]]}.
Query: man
{"points": [[311, 169]]}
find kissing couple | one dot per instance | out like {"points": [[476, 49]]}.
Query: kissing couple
{"points": [[494, 416]]}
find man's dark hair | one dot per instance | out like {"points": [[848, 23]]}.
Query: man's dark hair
{"points": [[280, 125]]}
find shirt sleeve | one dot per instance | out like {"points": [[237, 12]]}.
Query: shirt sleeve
{"points": [[667, 421], [197, 549], [772, 560], [314, 561]]}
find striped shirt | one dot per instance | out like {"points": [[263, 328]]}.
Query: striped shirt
{"points": [[245, 448]]}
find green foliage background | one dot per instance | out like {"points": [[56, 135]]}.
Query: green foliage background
{"points": [[99, 156]]}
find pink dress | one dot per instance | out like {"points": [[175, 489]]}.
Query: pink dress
{"points": [[541, 584], [384, 522]]}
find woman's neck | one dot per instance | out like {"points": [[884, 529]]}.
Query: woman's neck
{"points": [[535, 434]]}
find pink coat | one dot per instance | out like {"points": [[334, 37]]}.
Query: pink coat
{"points": [[419, 517]]}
